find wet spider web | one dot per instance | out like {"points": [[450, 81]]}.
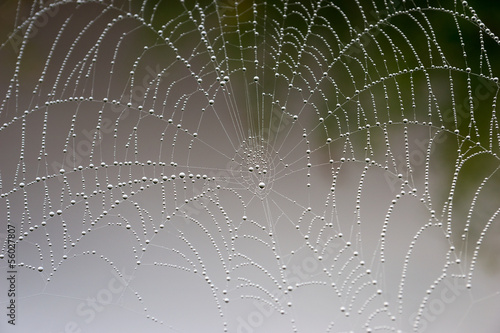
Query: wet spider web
{"points": [[250, 166]]}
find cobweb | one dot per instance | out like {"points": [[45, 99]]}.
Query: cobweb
{"points": [[250, 166]]}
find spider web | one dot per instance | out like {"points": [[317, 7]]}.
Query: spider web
{"points": [[250, 166]]}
